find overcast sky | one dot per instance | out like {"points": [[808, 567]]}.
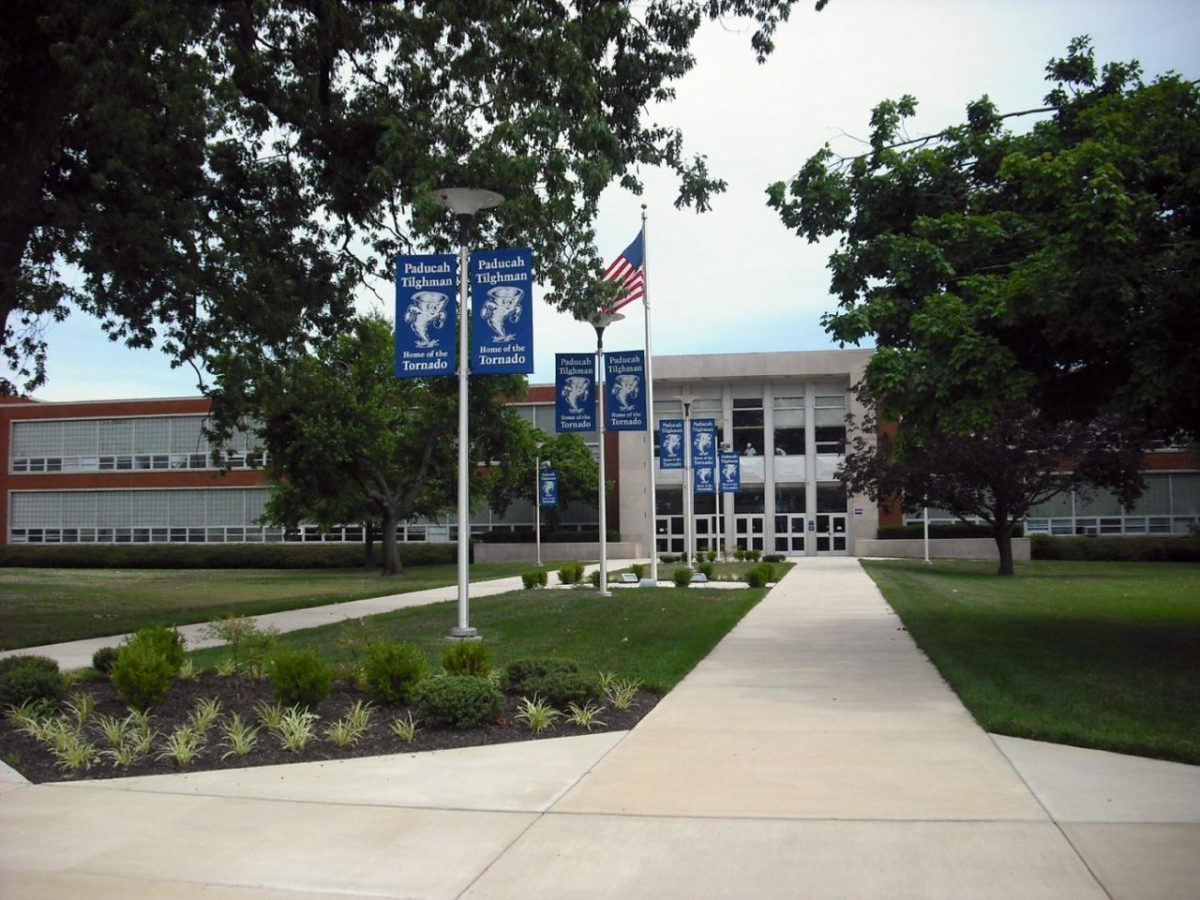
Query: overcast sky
{"points": [[733, 279]]}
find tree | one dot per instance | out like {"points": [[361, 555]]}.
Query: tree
{"points": [[990, 266], [343, 435], [222, 176], [567, 454], [998, 475]]}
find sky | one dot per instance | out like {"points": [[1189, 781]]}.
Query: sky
{"points": [[734, 279]]}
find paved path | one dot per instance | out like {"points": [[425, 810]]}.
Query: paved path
{"points": [[814, 753]]}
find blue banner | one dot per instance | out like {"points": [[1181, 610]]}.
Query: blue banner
{"points": [[547, 487], [670, 443], [574, 390], [704, 482], [426, 332], [731, 472], [625, 381], [704, 443], [502, 311]]}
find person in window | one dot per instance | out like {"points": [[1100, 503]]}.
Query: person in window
{"points": [[779, 451], [750, 451]]}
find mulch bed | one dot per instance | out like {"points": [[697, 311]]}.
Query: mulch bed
{"points": [[35, 761]]}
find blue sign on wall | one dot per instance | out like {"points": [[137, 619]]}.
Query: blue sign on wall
{"points": [[426, 332], [547, 488], [625, 381], [502, 311], [705, 481], [575, 387], [731, 472], [670, 443], [704, 443]]}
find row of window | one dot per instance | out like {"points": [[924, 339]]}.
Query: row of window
{"points": [[132, 435], [233, 459], [749, 427]]}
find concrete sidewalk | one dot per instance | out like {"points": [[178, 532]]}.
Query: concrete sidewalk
{"points": [[814, 753]]}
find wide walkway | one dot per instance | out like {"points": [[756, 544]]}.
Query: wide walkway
{"points": [[814, 753]]}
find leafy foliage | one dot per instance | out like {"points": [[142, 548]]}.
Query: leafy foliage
{"points": [[28, 678], [456, 700], [392, 669], [300, 677], [146, 665], [468, 658]]}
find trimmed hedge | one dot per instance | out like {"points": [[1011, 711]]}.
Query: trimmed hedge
{"points": [[1116, 549], [941, 530], [213, 556]]}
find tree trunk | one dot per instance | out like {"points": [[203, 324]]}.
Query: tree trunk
{"points": [[1004, 529], [391, 550]]}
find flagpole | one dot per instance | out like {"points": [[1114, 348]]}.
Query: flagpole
{"points": [[652, 498]]}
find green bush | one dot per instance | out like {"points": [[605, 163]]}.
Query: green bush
{"points": [[517, 672], [467, 658], [459, 701], [774, 558], [754, 555], [707, 568], [1116, 549], [756, 577], [300, 677], [561, 688], [667, 558], [392, 669], [167, 642], [740, 554], [142, 673], [534, 579], [768, 571], [103, 659], [31, 678], [940, 530], [638, 570], [214, 556], [570, 573], [682, 577]]}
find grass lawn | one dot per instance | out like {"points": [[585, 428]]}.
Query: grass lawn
{"points": [[1093, 654], [655, 635], [45, 606]]}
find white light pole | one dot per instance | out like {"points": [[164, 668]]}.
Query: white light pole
{"points": [[537, 497], [465, 203], [926, 519], [725, 448], [601, 320], [688, 524]]}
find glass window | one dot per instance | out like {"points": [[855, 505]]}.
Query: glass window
{"points": [[748, 426], [1185, 494], [789, 426], [789, 498], [749, 500], [669, 502], [831, 498], [830, 423]]}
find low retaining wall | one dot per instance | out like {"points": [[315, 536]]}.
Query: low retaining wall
{"points": [[575, 550], [942, 548]]}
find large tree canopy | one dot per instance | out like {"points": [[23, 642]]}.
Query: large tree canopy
{"points": [[218, 176], [1058, 265]]}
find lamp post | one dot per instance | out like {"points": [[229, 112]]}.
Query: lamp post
{"points": [[537, 497], [465, 203], [688, 523], [601, 320], [725, 448]]}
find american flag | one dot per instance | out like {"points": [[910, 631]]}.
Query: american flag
{"points": [[626, 270]]}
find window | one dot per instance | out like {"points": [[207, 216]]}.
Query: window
{"points": [[789, 426], [748, 426], [830, 424]]}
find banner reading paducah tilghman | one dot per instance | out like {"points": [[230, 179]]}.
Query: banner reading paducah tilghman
{"points": [[426, 336], [575, 392], [670, 443], [548, 488], [625, 382], [704, 443], [502, 311]]}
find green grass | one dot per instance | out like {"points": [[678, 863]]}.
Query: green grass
{"points": [[1093, 654], [44, 606], [656, 635]]}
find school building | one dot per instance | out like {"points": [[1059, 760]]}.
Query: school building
{"points": [[141, 471]]}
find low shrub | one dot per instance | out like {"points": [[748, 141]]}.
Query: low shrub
{"points": [[534, 579], [638, 570], [940, 530], [740, 554], [707, 568], [468, 658], [392, 669], [103, 659], [167, 642], [300, 678], [682, 577], [459, 701], [774, 558], [754, 555], [30, 679], [215, 556], [594, 578], [142, 673], [519, 670], [667, 558], [710, 556], [755, 577], [561, 688], [1116, 549], [570, 573]]}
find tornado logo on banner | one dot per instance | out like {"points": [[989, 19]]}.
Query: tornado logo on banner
{"points": [[426, 337], [731, 472], [625, 378], [670, 443], [547, 487], [502, 311], [574, 387], [704, 443], [704, 483]]}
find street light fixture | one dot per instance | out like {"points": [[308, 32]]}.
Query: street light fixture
{"points": [[465, 203], [600, 320]]}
